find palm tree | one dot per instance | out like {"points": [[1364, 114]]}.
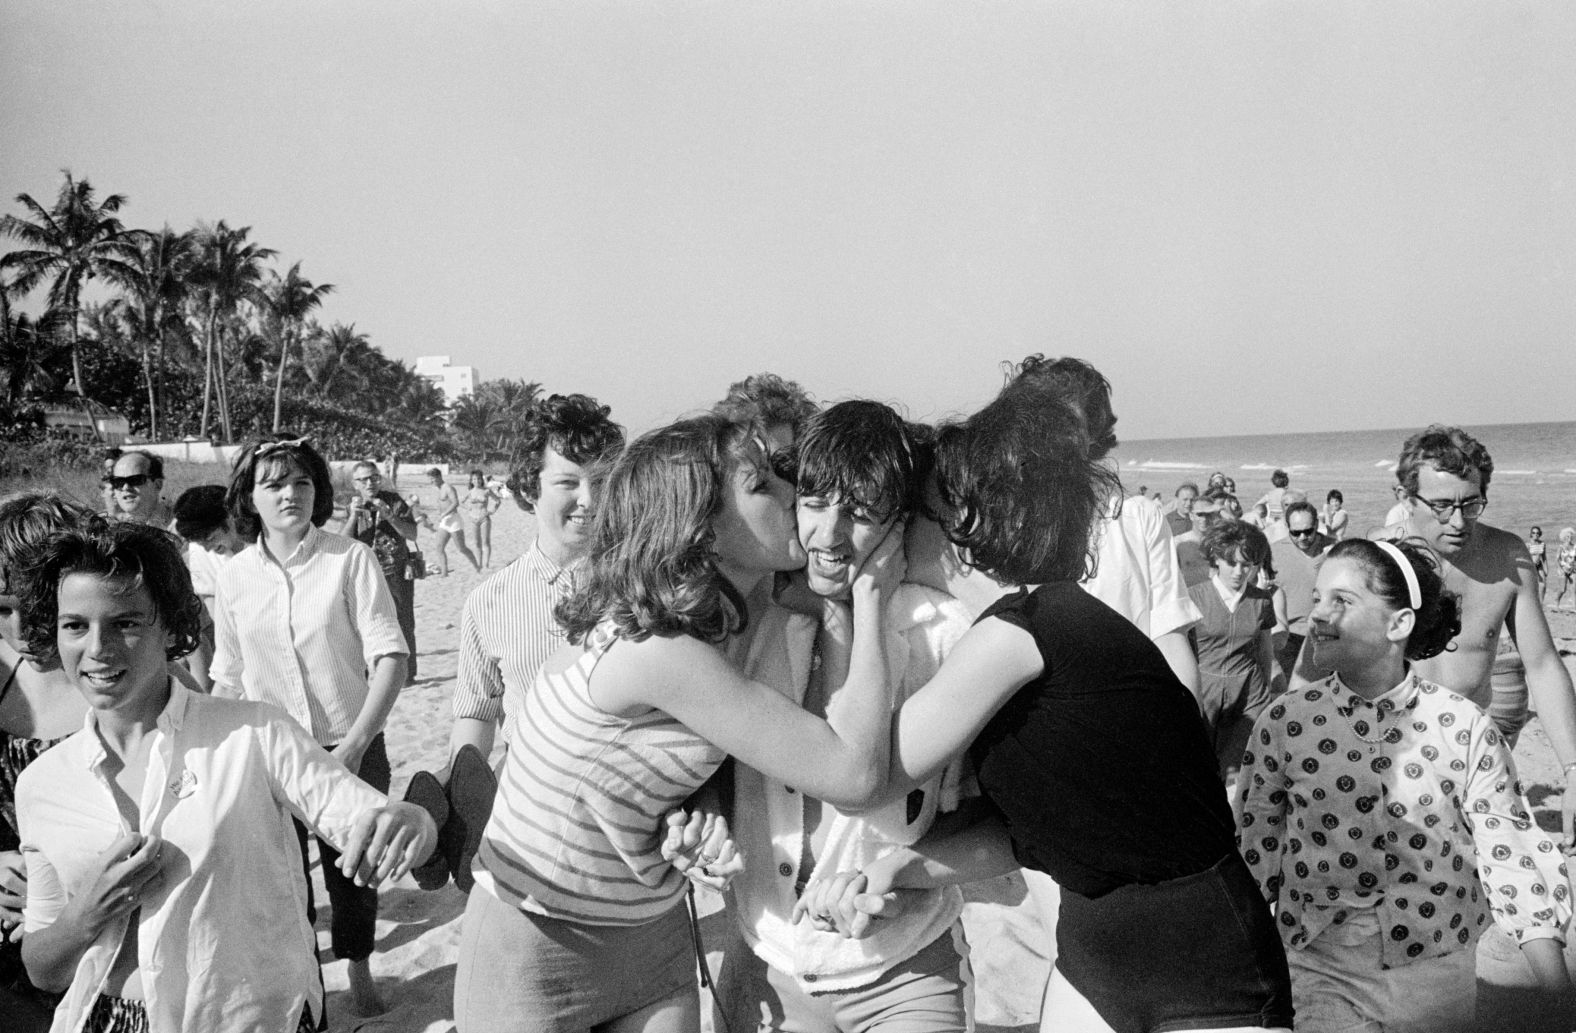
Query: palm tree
{"points": [[227, 274], [153, 305], [67, 245], [338, 354], [291, 298], [514, 400], [25, 354], [478, 419]]}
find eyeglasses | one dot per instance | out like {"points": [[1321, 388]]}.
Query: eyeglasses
{"points": [[1444, 509], [1304, 533], [136, 480]]}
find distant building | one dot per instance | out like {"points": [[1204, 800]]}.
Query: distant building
{"points": [[454, 381]]}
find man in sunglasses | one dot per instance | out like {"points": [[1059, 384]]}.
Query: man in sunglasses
{"points": [[1296, 560], [137, 484]]}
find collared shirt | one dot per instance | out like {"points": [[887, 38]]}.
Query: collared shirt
{"points": [[1137, 574], [223, 943], [507, 631], [921, 627], [302, 633], [1408, 805]]}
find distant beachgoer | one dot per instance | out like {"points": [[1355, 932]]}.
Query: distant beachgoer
{"points": [[1236, 656], [1334, 520], [1203, 513], [381, 520], [449, 524], [1398, 513], [106, 486], [477, 507], [203, 523], [1259, 517], [1378, 808], [1538, 550], [1297, 566], [1274, 499], [1179, 514], [1567, 567]]}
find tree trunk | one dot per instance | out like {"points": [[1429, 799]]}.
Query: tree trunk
{"points": [[153, 402], [279, 382], [207, 382], [223, 394]]}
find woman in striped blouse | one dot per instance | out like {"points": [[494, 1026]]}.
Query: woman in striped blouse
{"points": [[576, 921]]}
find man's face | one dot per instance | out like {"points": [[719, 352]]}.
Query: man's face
{"points": [[838, 535], [1185, 497], [367, 481], [136, 494], [1440, 491], [1303, 529]]}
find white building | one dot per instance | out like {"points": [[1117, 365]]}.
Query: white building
{"points": [[454, 381]]}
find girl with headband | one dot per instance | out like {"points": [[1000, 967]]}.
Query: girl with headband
{"points": [[1379, 812]]}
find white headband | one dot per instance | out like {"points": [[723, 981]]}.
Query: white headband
{"points": [[1414, 593]]}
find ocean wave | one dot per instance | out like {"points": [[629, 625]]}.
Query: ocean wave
{"points": [[1386, 464], [1161, 464], [1521, 473]]}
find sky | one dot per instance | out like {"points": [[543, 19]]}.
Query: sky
{"points": [[1253, 217]]}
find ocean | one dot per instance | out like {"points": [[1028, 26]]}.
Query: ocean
{"points": [[1534, 479]]}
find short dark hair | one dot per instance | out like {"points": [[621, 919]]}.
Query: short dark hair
{"points": [[1022, 490], [1334, 495], [1301, 506], [577, 427], [1185, 485], [257, 459], [1239, 536], [1439, 616], [1279, 479], [27, 520], [1080, 384], [146, 556], [767, 399], [651, 569], [1447, 449], [861, 452], [200, 511]]}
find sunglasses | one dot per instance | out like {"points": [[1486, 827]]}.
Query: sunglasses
{"points": [[1306, 532], [136, 480]]}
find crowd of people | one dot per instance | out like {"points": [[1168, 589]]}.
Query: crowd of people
{"points": [[1255, 770]]}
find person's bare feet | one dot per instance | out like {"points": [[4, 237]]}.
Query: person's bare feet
{"points": [[364, 989]]}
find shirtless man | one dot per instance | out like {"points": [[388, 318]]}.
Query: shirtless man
{"points": [[1444, 473]]}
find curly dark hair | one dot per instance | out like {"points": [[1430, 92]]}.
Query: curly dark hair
{"points": [[1078, 383], [147, 557], [262, 458], [1020, 489], [577, 427], [1447, 449], [651, 569], [1235, 536], [1438, 619], [863, 453], [767, 399], [28, 519]]}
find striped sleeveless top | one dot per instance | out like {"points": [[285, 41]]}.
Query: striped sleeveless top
{"points": [[576, 829]]}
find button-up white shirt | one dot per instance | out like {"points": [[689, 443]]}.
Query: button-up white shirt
{"points": [[302, 632], [223, 943]]}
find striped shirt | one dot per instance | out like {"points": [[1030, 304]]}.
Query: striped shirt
{"points": [[507, 631], [575, 831], [303, 633]]}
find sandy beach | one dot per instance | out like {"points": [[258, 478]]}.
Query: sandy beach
{"points": [[418, 932]]}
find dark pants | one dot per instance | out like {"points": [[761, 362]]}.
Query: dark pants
{"points": [[353, 927], [1289, 650], [403, 589]]}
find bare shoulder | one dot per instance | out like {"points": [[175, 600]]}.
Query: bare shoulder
{"points": [[1498, 556]]}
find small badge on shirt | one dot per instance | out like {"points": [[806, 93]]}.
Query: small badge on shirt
{"points": [[183, 785]]}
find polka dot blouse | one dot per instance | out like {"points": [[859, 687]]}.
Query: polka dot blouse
{"points": [[1408, 804]]}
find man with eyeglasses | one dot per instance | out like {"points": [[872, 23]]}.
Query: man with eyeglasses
{"points": [[1296, 559], [1445, 474], [383, 520], [137, 484]]}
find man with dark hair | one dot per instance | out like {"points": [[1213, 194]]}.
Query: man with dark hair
{"points": [[383, 520], [1179, 516], [507, 627], [859, 471], [1296, 559], [137, 481]]}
